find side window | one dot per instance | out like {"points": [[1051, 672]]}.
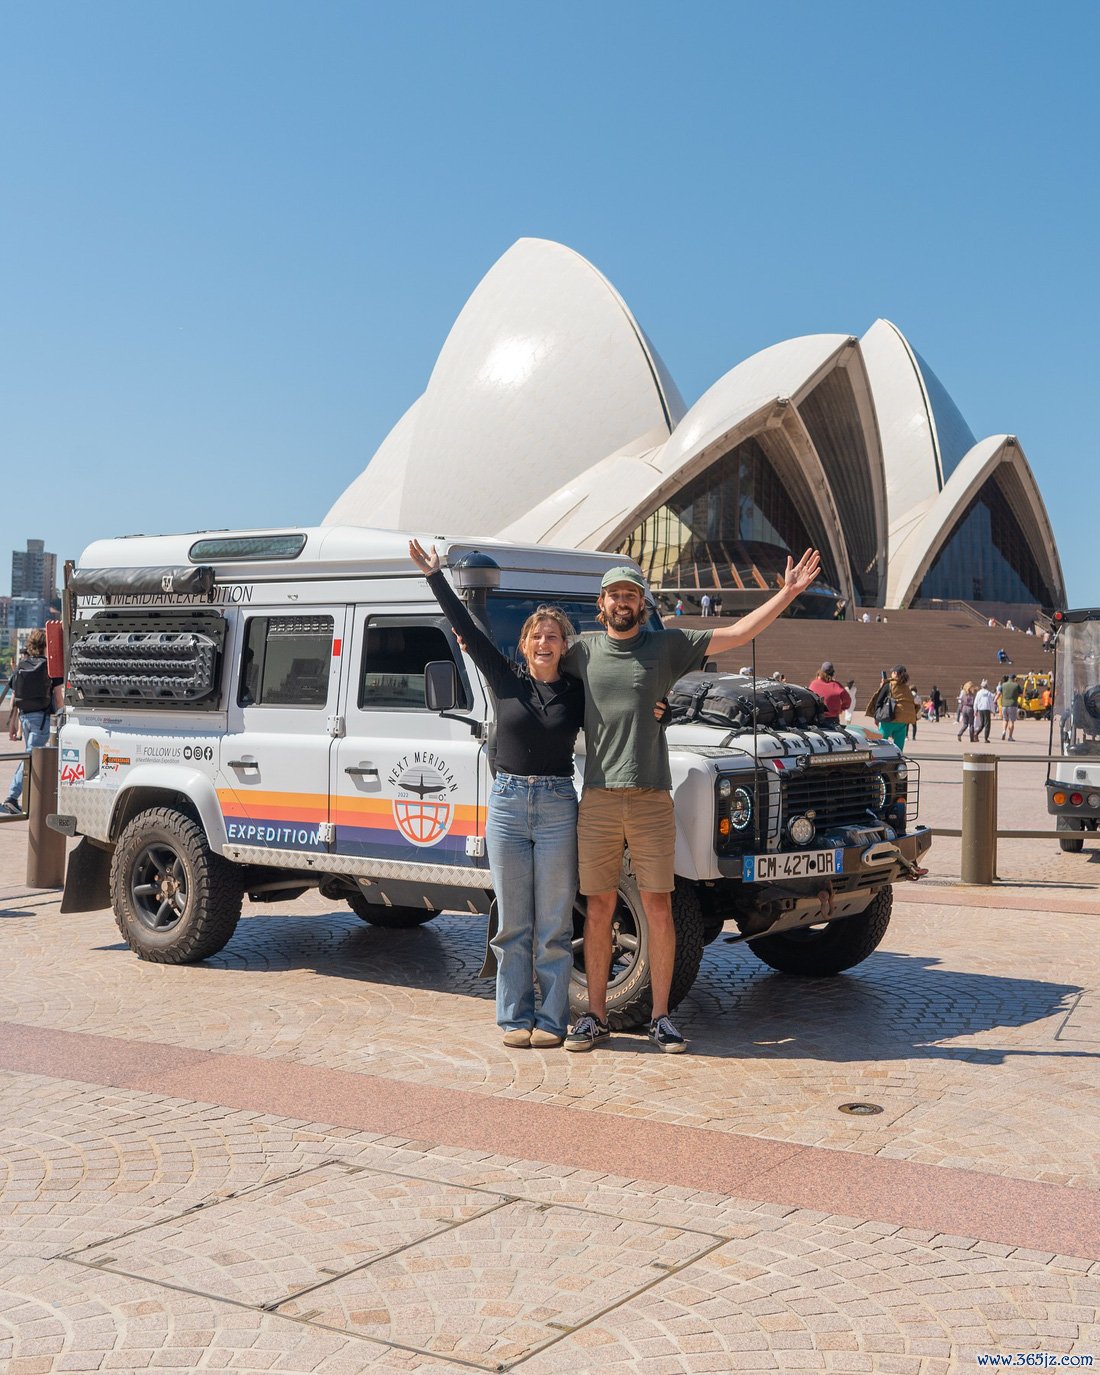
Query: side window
{"points": [[394, 657], [286, 661]]}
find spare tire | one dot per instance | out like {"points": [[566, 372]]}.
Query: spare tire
{"points": [[821, 951]]}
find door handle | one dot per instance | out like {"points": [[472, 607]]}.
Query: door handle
{"points": [[242, 764], [361, 773]]}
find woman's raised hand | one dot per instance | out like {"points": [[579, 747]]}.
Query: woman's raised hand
{"points": [[427, 563]]}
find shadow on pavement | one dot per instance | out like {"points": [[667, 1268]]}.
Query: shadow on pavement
{"points": [[892, 1007]]}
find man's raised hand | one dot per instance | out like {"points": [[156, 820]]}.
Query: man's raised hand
{"points": [[802, 574]]}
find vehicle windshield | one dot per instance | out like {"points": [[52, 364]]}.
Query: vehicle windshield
{"points": [[507, 612], [1077, 697]]}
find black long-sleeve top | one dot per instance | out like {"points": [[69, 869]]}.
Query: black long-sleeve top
{"points": [[537, 723]]}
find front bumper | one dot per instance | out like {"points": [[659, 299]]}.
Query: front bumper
{"points": [[868, 864]]}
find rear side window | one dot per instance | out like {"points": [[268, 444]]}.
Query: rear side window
{"points": [[286, 661], [394, 657]]}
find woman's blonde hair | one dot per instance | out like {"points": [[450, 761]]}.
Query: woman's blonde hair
{"points": [[546, 613], [35, 644], [968, 687]]}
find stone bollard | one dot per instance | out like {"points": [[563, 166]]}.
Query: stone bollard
{"points": [[979, 818], [45, 848]]}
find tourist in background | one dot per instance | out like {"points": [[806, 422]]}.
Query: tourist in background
{"points": [[965, 713], [1010, 706], [37, 696], [984, 702], [835, 697], [892, 707]]}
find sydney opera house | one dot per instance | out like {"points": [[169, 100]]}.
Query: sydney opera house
{"points": [[549, 417]]}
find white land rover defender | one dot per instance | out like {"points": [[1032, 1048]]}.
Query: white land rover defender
{"points": [[268, 712]]}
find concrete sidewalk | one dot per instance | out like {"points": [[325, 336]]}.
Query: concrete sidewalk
{"points": [[312, 1153]]}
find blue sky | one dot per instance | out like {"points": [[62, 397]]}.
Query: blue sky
{"points": [[233, 236]]}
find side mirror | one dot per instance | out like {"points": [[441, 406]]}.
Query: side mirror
{"points": [[441, 685]]}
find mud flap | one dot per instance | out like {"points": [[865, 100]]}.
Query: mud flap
{"points": [[492, 926], [87, 879]]}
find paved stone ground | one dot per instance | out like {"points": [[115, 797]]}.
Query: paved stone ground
{"points": [[311, 1154]]}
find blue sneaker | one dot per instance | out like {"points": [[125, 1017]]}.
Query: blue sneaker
{"points": [[587, 1031], [665, 1036]]}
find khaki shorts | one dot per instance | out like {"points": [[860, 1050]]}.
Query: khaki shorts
{"points": [[643, 819]]}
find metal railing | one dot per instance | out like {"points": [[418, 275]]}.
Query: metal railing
{"points": [[979, 831]]}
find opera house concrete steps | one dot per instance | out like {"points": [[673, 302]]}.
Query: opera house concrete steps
{"points": [[937, 647]]}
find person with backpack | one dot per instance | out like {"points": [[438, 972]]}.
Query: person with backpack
{"points": [[37, 697], [892, 707]]}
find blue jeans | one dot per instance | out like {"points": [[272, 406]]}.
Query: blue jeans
{"points": [[36, 733], [531, 834]]}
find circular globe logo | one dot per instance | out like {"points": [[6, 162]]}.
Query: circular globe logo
{"points": [[422, 814]]}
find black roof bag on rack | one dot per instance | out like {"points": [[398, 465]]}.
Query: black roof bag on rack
{"points": [[727, 700]]}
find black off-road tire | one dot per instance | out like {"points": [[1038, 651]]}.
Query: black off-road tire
{"points": [[1067, 823], [206, 906], [629, 995], [392, 918], [820, 951]]}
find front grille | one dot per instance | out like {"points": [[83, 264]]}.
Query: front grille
{"points": [[849, 796]]}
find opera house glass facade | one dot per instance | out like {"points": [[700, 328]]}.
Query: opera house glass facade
{"points": [[730, 528], [988, 556], [550, 418]]}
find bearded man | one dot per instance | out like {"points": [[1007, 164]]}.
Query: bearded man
{"points": [[627, 800]]}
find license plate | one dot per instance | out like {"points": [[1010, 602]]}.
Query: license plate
{"points": [[802, 864]]}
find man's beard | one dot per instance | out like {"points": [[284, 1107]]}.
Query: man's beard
{"points": [[623, 618]]}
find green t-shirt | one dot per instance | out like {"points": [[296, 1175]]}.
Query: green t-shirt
{"points": [[623, 682], [1010, 694]]}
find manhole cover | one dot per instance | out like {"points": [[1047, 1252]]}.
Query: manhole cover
{"points": [[860, 1109]]}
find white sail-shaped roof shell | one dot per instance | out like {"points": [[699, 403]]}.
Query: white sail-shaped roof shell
{"points": [[544, 373], [550, 418]]}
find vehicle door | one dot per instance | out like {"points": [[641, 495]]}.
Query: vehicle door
{"points": [[273, 771], [408, 785]]}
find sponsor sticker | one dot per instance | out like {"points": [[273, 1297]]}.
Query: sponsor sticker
{"points": [[423, 780], [157, 752], [72, 770]]}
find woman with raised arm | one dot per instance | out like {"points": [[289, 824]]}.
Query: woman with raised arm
{"points": [[531, 832]]}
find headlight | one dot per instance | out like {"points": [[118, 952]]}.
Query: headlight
{"points": [[740, 808], [740, 805], [801, 830], [725, 787], [903, 771], [878, 792]]}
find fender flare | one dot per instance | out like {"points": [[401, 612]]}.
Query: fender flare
{"points": [[178, 778]]}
